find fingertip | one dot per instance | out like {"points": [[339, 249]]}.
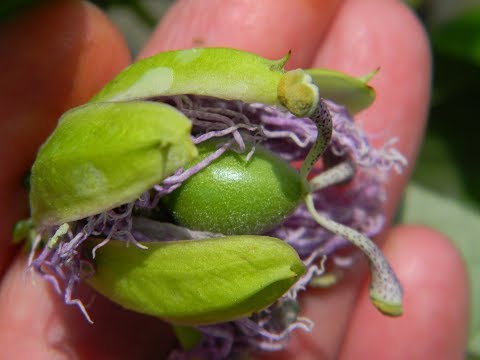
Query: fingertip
{"points": [[436, 296], [269, 28], [37, 324], [104, 53]]}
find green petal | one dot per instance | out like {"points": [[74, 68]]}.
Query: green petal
{"points": [[103, 155], [354, 93], [197, 281]]}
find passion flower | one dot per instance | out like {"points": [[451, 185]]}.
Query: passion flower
{"points": [[124, 168]]}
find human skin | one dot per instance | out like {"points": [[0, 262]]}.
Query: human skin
{"points": [[58, 56]]}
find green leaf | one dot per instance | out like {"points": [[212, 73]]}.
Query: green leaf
{"points": [[196, 282], [354, 93], [107, 154], [460, 37], [462, 225]]}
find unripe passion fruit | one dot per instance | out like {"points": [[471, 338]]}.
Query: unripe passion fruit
{"points": [[233, 195]]}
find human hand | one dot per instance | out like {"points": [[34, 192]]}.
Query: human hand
{"points": [[62, 54]]}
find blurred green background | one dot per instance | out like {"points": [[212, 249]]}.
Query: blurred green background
{"points": [[445, 188], [445, 192]]}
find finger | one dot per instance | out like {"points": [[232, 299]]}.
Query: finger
{"points": [[270, 28], [435, 322], [384, 34], [36, 324], [360, 39], [58, 56]]}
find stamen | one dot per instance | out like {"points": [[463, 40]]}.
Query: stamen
{"points": [[323, 120], [61, 231], [385, 289], [335, 175]]}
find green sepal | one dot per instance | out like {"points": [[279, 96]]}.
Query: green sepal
{"points": [[187, 336], [106, 154], [218, 72], [352, 92], [22, 230], [197, 282]]}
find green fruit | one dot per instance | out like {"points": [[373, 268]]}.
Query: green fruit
{"points": [[234, 195]]}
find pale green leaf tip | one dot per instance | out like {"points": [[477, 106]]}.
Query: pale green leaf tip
{"points": [[386, 307], [367, 77], [298, 269], [280, 63]]}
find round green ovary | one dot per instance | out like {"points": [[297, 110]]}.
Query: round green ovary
{"points": [[236, 196]]}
